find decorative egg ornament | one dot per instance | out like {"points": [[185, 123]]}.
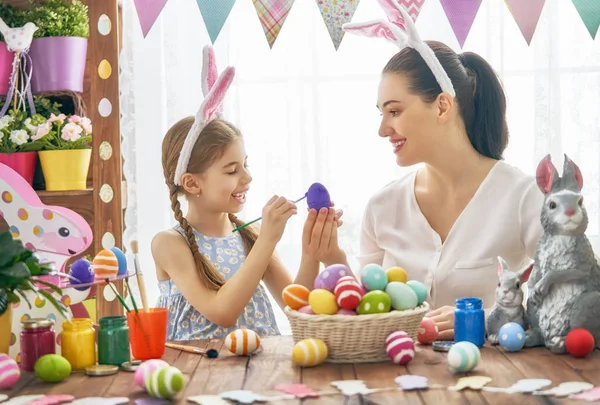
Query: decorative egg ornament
{"points": [[146, 368], [348, 293], [295, 296], [82, 270], [428, 332], [307, 310], [309, 352], [579, 342], [121, 259], [164, 382], [9, 371], [402, 296], [105, 265], [373, 277], [374, 302], [463, 357], [328, 278], [400, 347], [322, 302], [242, 342], [420, 290], [317, 197], [52, 368], [397, 274], [511, 337]]}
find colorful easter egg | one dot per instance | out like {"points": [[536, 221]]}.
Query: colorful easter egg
{"points": [[317, 197], [9, 371], [397, 274], [400, 347], [164, 382], [52, 368], [307, 310], [374, 277], [511, 337], [309, 352], [295, 296], [579, 342], [328, 278], [146, 368], [121, 259], [242, 342], [463, 357], [348, 292], [402, 296], [343, 311], [374, 302], [322, 302], [420, 289], [105, 265], [428, 332], [82, 270]]}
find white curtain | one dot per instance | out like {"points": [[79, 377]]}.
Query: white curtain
{"points": [[308, 112]]}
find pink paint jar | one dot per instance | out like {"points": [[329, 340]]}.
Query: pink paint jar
{"points": [[37, 338]]}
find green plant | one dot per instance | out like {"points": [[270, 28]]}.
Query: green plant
{"points": [[17, 267], [58, 18], [12, 16], [17, 132], [63, 132], [45, 107]]}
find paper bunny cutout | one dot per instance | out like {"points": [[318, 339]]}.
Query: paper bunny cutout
{"points": [[214, 87], [400, 30]]}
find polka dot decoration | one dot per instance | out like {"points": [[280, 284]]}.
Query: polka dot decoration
{"points": [[47, 214], [105, 150], [13, 339], [7, 197], [66, 300], [108, 241], [104, 69], [40, 302], [106, 193], [109, 294], [25, 317], [38, 231], [15, 231], [104, 107], [104, 25], [22, 214]]}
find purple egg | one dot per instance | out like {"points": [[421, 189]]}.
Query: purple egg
{"points": [[317, 197], [306, 310], [328, 278], [82, 270]]}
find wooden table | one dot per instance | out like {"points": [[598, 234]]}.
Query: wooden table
{"points": [[273, 366]]}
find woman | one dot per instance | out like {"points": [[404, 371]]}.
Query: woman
{"points": [[446, 223]]}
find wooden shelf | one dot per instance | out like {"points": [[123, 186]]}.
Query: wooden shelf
{"points": [[62, 194]]}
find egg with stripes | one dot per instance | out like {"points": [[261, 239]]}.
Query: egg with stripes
{"points": [[348, 293], [295, 296], [164, 382], [463, 357], [400, 347], [9, 371], [242, 342], [105, 265], [310, 352], [146, 368]]}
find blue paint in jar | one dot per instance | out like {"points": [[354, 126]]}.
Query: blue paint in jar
{"points": [[469, 321]]}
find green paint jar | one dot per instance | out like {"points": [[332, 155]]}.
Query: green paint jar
{"points": [[113, 341]]}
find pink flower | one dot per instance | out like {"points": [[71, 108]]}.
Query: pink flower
{"points": [[41, 131], [71, 132], [75, 118], [59, 117], [86, 123]]}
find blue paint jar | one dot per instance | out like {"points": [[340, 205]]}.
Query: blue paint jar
{"points": [[469, 321]]}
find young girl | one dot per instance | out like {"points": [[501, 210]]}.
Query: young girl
{"points": [[209, 275]]}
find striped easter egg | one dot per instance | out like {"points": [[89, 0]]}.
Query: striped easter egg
{"points": [[400, 347], [165, 382], [146, 368], [105, 265], [348, 292], [463, 356], [309, 352], [242, 342], [295, 296], [9, 371]]}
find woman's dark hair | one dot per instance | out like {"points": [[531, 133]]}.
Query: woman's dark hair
{"points": [[479, 93]]}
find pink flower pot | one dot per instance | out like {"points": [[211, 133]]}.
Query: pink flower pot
{"points": [[58, 63], [6, 61], [22, 163]]}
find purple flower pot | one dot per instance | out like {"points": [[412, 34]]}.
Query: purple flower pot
{"points": [[6, 61], [58, 63]]}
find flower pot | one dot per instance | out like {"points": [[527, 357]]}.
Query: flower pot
{"points": [[5, 329], [6, 62], [22, 163], [65, 169], [58, 63]]}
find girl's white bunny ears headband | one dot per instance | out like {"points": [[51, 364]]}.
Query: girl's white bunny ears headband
{"points": [[214, 87], [401, 31]]}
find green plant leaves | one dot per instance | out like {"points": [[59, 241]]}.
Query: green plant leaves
{"points": [[3, 301]]}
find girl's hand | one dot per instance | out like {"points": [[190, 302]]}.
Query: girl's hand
{"points": [[444, 319], [275, 215], [320, 238]]}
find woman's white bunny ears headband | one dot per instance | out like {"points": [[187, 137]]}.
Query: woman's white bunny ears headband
{"points": [[401, 31], [214, 87]]}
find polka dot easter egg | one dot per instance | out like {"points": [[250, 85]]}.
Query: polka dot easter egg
{"points": [[295, 296], [374, 302], [328, 278], [165, 382], [322, 302], [402, 296], [146, 368], [105, 265], [9, 371], [428, 332], [400, 347], [348, 293], [420, 289], [511, 337], [397, 274], [309, 352], [373, 277], [242, 342], [463, 357]]}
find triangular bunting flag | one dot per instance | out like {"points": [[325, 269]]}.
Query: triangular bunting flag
{"points": [[461, 14], [412, 7], [148, 12], [526, 14], [272, 15], [215, 13], [589, 10], [336, 13]]}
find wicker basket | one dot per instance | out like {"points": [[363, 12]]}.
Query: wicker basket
{"points": [[355, 339]]}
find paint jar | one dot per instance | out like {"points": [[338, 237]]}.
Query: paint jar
{"points": [[113, 341], [37, 338], [78, 343], [469, 321]]}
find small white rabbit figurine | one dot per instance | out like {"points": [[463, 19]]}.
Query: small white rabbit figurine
{"points": [[509, 300]]}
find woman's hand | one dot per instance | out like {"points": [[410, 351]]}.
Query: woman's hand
{"points": [[319, 237], [444, 319]]}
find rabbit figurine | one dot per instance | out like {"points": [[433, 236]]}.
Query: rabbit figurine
{"points": [[509, 300], [565, 282]]}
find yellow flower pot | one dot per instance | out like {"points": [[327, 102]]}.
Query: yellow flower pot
{"points": [[5, 329], [65, 169]]}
